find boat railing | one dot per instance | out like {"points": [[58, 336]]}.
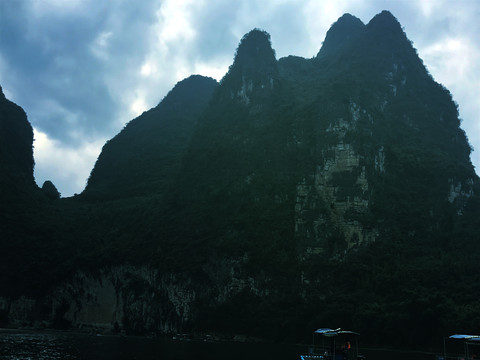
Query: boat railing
{"points": [[326, 353]]}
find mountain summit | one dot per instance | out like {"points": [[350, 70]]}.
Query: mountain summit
{"points": [[144, 156], [255, 51], [254, 69], [385, 23], [344, 30], [16, 150]]}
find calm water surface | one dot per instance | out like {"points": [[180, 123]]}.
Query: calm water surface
{"points": [[23, 345]]}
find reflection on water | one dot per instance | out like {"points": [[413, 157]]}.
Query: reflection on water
{"points": [[15, 346], [23, 345]]}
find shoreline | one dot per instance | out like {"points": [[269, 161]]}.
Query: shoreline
{"points": [[208, 337]]}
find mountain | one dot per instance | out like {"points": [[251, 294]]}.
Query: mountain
{"points": [[16, 152], [294, 194], [143, 156], [28, 223]]}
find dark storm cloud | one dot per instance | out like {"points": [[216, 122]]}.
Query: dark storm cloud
{"points": [[220, 26], [288, 31], [62, 64], [213, 25]]}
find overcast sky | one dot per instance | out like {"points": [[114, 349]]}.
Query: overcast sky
{"points": [[81, 69]]}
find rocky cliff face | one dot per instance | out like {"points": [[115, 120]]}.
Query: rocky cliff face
{"points": [[382, 92], [128, 299], [136, 299]]}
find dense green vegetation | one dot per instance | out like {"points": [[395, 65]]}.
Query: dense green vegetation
{"points": [[143, 157], [213, 174]]}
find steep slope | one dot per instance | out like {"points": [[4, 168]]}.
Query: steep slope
{"points": [[345, 144], [343, 33], [389, 149], [236, 174], [16, 151], [383, 126], [142, 158], [28, 233]]}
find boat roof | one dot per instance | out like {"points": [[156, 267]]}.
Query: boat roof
{"points": [[335, 332], [465, 337]]}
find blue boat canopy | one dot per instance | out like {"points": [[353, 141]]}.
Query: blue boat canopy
{"points": [[326, 332], [465, 337], [346, 332], [332, 332]]}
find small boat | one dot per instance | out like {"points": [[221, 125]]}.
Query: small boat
{"points": [[333, 344], [460, 347]]}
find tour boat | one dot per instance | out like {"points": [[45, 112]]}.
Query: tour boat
{"points": [[333, 344], [460, 347]]}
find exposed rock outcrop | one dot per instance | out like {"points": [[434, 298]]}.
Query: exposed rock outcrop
{"points": [[128, 298]]}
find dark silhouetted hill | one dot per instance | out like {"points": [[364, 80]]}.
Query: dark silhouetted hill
{"points": [[143, 157]]}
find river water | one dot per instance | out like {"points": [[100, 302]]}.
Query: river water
{"points": [[48, 345]]}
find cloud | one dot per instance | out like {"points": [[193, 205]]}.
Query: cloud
{"points": [[46, 7], [450, 48], [174, 18], [100, 45], [430, 7], [64, 165]]}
